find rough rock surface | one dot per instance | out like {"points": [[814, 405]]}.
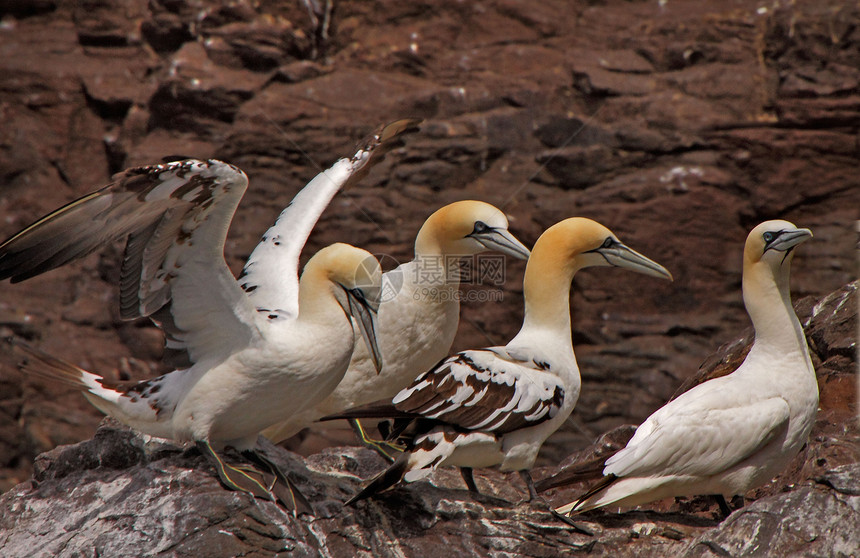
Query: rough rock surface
{"points": [[678, 124], [120, 495], [807, 521]]}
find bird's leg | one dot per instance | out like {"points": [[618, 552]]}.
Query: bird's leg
{"points": [[724, 506], [376, 445], [235, 478], [469, 479], [530, 484], [535, 498], [569, 522], [266, 479], [283, 489]]}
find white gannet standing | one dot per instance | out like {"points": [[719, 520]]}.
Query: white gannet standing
{"points": [[729, 434], [496, 406], [419, 312], [240, 367]]}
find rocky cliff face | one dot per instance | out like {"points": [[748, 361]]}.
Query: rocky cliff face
{"points": [[678, 124], [120, 495]]}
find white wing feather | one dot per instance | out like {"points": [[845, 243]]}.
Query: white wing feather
{"points": [[270, 276], [176, 217], [691, 437]]}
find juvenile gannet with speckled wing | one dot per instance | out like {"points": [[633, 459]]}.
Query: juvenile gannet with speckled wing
{"points": [[729, 434], [496, 406], [418, 319], [227, 399], [249, 355]]}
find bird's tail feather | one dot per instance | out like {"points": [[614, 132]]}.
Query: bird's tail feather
{"points": [[386, 479], [576, 506], [588, 463], [42, 365]]}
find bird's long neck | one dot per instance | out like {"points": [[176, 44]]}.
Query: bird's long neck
{"points": [[427, 241], [546, 290], [317, 303], [768, 302], [432, 260]]}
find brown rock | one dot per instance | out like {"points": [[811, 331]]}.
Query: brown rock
{"points": [[127, 491], [108, 23], [708, 119], [791, 524], [258, 46]]}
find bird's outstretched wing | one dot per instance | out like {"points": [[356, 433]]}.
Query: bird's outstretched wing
{"points": [[176, 216], [270, 276], [486, 389]]}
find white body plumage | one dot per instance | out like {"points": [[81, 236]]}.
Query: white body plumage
{"points": [[420, 309], [496, 406]]}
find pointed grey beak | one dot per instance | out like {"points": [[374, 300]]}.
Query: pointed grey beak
{"points": [[364, 310], [502, 241], [789, 239], [620, 255]]}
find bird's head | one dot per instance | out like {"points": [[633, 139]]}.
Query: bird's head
{"points": [[468, 227], [356, 280], [578, 242], [772, 243]]}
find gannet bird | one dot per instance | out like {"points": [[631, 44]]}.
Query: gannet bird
{"points": [[496, 406], [729, 434], [274, 366], [242, 366], [419, 312]]}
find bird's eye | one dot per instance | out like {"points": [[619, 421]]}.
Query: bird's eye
{"points": [[480, 227], [768, 237], [608, 242]]}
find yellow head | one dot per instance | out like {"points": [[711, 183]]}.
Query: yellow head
{"points": [[768, 252], [578, 242], [773, 242], [559, 253], [465, 228], [354, 278]]}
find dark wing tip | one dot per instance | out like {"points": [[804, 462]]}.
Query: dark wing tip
{"points": [[387, 132], [388, 136], [605, 482], [377, 144], [399, 128], [379, 409], [567, 477], [384, 480], [588, 463]]}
